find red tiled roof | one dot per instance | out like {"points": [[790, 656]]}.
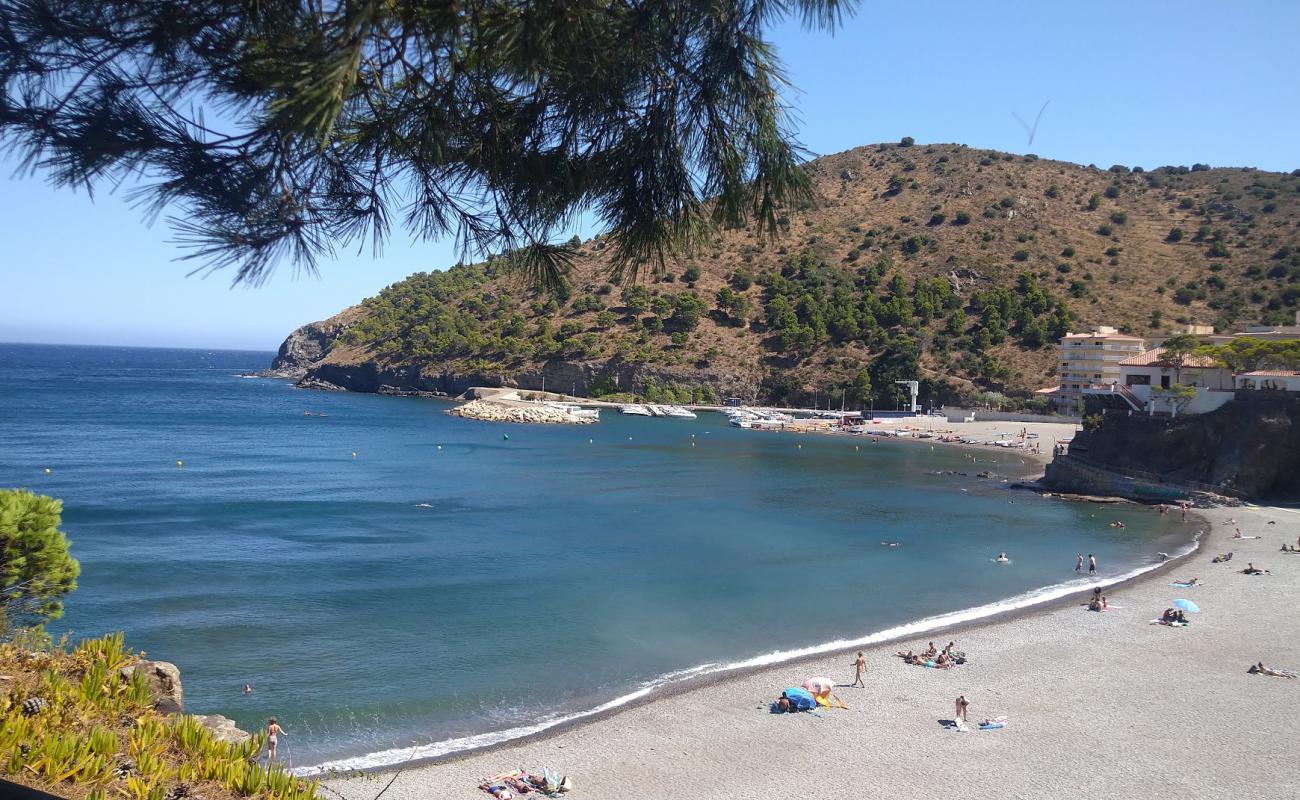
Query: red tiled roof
{"points": [[1270, 373], [1156, 358]]}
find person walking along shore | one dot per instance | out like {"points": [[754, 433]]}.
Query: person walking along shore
{"points": [[858, 665]]}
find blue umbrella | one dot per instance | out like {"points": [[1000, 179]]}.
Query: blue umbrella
{"points": [[1188, 605]]}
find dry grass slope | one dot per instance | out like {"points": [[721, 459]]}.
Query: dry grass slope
{"points": [[1145, 251]]}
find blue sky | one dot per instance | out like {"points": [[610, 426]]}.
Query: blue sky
{"points": [[1134, 83]]}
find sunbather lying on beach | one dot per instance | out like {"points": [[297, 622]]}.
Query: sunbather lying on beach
{"points": [[1260, 669], [1219, 559], [1251, 569], [498, 790], [1192, 582]]}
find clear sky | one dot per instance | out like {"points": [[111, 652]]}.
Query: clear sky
{"points": [[1136, 83]]}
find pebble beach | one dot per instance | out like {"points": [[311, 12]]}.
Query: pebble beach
{"points": [[1098, 705]]}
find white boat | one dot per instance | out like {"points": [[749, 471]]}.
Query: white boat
{"points": [[655, 411], [678, 411], [575, 410], [635, 410]]}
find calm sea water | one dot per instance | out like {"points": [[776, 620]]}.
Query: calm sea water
{"points": [[447, 584]]}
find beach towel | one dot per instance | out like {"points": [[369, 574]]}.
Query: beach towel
{"points": [[1169, 624], [1185, 585]]}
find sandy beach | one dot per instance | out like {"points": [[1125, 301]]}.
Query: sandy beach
{"points": [[1099, 705]]}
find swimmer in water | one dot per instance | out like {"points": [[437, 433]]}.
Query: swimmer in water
{"points": [[248, 688], [1002, 558]]}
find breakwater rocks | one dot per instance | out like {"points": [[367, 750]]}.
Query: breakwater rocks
{"points": [[488, 411]]}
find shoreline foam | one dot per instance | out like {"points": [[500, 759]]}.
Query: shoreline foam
{"points": [[1100, 705], [702, 675]]}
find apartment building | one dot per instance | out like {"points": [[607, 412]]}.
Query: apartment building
{"points": [[1086, 359]]}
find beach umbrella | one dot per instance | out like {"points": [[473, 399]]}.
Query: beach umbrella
{"points": [[1188, 605], [819, 685]]}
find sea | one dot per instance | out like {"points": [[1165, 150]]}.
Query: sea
{"points": [[396, 583]]}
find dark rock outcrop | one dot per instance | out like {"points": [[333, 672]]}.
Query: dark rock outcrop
{"points": [[164, 680], [310, 344], [1249, 448]]}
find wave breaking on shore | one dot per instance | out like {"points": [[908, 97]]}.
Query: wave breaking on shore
{"points": [[423, 752]]}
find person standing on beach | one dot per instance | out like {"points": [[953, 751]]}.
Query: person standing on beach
{"points": [[960, 712], [1078, 563], [858, 665], [273, 734], [1092, 564]]}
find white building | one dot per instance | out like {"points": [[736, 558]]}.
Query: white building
{"points": [[1154, 380], [1270, 380]]}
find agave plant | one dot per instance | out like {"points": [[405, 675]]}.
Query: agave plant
{"points": [[109, 651], [190, 734], [94, 687], [140, 789], [148, 736], [137, 690]]}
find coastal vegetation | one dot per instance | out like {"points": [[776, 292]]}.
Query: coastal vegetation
{"points": [[953, 266], [73, 724], [81, 721]]}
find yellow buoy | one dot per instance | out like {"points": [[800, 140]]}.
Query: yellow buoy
{"points": [[354, 455], [47, 470], [439, 447], [179, 463]]}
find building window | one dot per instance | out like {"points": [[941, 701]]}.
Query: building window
{"points": [[1137, 380]]}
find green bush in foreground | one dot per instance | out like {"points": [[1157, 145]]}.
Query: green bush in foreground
{"points": [[36, 567]]}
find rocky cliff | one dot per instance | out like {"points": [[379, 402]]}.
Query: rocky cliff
{"points": [[1249, 448], [309, 344]]}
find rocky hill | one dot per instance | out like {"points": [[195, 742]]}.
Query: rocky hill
{"points": [[954, 265]]}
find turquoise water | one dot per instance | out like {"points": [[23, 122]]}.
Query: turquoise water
{"points": [[414, 595]]}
